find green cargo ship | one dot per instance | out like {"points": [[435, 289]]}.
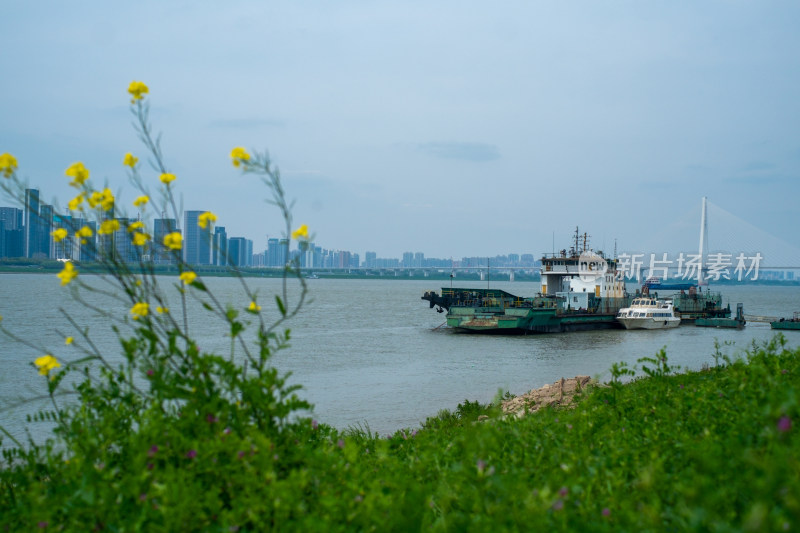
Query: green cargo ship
{"points": [[581, 290]]}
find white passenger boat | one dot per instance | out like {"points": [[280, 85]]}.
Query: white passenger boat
{"points": [[648, 313]]}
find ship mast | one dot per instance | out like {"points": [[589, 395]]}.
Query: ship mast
{"points": [[703, 231]]}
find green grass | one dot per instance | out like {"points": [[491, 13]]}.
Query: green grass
{"points": [[715, 450]]}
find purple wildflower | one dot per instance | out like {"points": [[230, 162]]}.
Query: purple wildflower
{"points": [[241, 454], [784, 424], [149, 466], [558, 505], [481, 464], [606, 511], [150, 372], [42, 524], [563, 492], [152, 451], [227, 431], [314, 424], [191, 454], [340, 444], [142, 497], [211, 418]]}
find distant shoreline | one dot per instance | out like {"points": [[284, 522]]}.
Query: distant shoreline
{"points": [[33, 266]]}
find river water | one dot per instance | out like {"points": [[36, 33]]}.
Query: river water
{"points": [[370, 352]]}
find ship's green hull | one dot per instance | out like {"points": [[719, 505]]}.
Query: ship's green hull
{"points": [[719, 323], [786, 324], [521, 321]]}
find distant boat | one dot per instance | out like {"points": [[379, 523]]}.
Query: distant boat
{"points": [[312, 276], [648, 313], [657, 284], [787, 323]]}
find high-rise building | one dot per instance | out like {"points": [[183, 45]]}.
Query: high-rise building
{"points": [[370, 259], [237, 250], [12, 233], [248, 252], [408, 259], [161, 227], [32, 223], [277, 252], [196, 240], [219, 249]]}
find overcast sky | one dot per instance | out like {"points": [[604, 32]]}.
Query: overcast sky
{"points": [[451, 128]]}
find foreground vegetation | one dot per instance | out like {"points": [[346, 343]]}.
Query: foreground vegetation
{"points": [[711, 450], [165, 437]]}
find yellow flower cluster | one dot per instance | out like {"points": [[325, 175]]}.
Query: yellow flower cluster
{"points": [[173, 241], [254, 307], [162, 310], [59, 235], [139, 310], [108, 227], [78, 173], [8, 164], [166, 179], [104, 199], [137, 89], [204, 219], [188, 277], [301, 232], [84, 233], [46, 363], [141, 201], [68, 274], [129, 160], [75, 203], [140, 239], [239, 156]]}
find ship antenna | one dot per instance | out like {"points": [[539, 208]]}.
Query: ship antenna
{"points": [[703, 231]]}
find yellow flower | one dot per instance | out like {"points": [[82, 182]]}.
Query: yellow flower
{"points": [[85, 232], [136, 225], [166, 179], [68, 341], [140, 239], [137, 89], [188, 277], [205, 218], [129, 160], [108, 227], [68, 274], [239, 156], [78, 173], [46, 363], [162, 310], [254, 307], [8, 164], [95, 199], [302, 231], [173, 240], [107, 201], [75, 203], [139, 310], [141, 200], [59, 235]]}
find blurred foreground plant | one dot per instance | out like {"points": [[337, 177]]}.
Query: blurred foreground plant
{"points": [[168, 402]]}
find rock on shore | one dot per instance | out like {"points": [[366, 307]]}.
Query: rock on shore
{"points": [[559, 393]]}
